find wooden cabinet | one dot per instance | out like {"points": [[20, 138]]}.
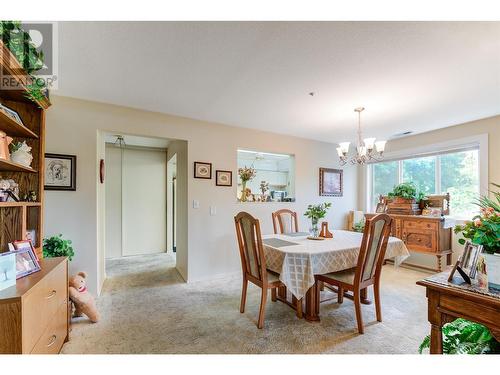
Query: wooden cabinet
{"points": [[423, 234], [34, 313]]}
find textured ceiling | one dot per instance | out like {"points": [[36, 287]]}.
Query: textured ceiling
{"points": [[410, 76]]}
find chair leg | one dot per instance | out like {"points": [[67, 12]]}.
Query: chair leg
{"points": [[340, 294], [357, 306], [378, 308], [274, 297], [243, 295], [262, 309]]}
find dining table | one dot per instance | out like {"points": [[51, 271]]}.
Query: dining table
{"points": [[297, 259]]}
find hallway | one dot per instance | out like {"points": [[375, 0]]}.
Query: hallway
{"points": [[147, 308]]}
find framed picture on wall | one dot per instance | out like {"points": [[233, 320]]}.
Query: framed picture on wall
{"points": [[331, 182], [202, 170], [223, 178], [60, 172]]}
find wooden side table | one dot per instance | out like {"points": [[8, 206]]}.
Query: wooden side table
{"points": [[449, 301]]}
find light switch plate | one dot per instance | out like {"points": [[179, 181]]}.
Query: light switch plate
{"points": [[213, 210], [196, 204]]}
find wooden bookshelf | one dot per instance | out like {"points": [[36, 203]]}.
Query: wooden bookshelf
{"points": [[17, 219]]}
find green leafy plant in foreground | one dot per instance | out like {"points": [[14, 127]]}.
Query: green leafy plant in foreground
{"points": [[57, 246], [484, 229], [464, 337]]}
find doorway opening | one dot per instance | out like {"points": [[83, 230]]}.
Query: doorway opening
{"points": [[136, 196]]}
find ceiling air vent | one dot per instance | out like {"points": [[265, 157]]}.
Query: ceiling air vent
{"points": [[403, 134]]}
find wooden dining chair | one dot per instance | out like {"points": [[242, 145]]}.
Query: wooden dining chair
{"points": [[368, 269], [285, 221], [253, 262]]}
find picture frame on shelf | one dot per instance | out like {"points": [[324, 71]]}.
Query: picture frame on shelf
{"points": [[60, 172], [331, 182], [25, 244], [223, 178], [12, 114], [381, 208], [466, 264], [7, 270], [203, 170], [26, 261]]}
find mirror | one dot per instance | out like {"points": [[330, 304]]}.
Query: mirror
{"points": [[265, 177]]}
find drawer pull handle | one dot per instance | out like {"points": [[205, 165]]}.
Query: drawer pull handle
{"points": [[52, 294], [52, 340]]}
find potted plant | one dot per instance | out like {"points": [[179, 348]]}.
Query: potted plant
{"points": [[405, 193], [484, 229], [57, 246], [316, 212], [246, 174], [464, 337]]}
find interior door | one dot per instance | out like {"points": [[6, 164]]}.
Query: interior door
{"points": [[144, 201]]}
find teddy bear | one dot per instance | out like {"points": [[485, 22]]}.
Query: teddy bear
{"points": [[84, 301]]}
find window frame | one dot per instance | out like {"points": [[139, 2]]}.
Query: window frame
{"points": [[479, 142]]}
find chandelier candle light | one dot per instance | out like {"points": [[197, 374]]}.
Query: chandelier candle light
{"points": [[365, 148]]}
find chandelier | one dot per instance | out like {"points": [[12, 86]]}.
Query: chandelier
{"points": [[366, 150]]}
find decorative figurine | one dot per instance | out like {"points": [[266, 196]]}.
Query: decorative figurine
{"points": [[325, 233]]}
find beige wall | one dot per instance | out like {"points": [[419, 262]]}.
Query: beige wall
{"points": [[76, 126]]}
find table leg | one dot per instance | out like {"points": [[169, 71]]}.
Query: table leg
{"points": [[364, 297], [436, 339], [312, 304]]}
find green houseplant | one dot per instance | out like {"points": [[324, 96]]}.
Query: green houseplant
{"points": [[406, 191], [22, 47], [316, 212], [57, 246], [484, 228], [464, 337]]}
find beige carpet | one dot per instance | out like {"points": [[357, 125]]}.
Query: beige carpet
{"points": [[146, 308]]}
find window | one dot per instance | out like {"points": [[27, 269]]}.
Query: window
{"points": [[274, 177], [456, 173]]}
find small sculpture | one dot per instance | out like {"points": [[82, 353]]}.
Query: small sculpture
{"points": [[21, 154], [4, 145], [325, 233]]}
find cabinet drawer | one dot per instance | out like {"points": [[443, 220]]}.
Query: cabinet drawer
{"points": [[425, 241], [54, 335], [40, 306], [422, 225]]}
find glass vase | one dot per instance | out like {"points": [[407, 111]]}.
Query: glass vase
{"points": [[243, 191], [314, 230]]}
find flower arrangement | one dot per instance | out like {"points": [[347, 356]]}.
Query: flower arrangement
{"points": [[246, 174], [316, 212], [484, 229]]}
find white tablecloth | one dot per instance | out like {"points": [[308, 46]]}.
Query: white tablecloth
{"points": [[297, 263]]}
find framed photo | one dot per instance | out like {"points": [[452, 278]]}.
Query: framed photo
{"points": [[60, 172], [26, 262], [12, 114], [467, 263], [223, 178], [202, 170], [381, 208], [26, 244], [7, 270], [331, 182]]}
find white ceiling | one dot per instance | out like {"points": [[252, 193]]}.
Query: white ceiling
{"points": [[410, 76]]}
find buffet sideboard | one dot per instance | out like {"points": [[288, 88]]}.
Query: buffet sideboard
{"points": [[423, 234]]}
